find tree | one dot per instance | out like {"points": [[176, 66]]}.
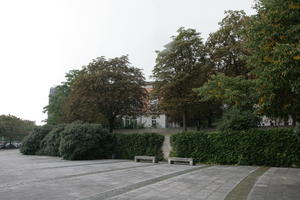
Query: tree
{"points": [[273, 36], [233, 91], [179, 68], [57, 97], [230, 82], [104, 90], [14, 128], [237, 119], [238, 96], [226, 46]]}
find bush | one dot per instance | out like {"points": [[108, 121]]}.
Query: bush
{"points": [[126, 146], [31, 143], [271, 147], [50, 144], [297, 129], [85, 141], [236, 119]]}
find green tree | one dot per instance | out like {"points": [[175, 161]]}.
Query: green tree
{"points": [[273, 37], [57, 97], [14, 128], [104, 90], [231, 82], [233, 91], [238, 119], [179, 68], [226, 46]]}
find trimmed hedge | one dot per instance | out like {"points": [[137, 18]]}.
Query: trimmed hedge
{"points": [[126, 146], [84, 142], [79, 141], [50, 144], [31, 143], [271, 147]]}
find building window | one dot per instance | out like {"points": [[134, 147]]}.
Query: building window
{"points": [[154, 101], [130, 122], [153, 121]]}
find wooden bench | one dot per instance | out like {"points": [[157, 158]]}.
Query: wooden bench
{"points": [[139, 158], [172, 160]]}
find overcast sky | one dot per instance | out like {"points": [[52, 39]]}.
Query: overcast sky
{"points": [[41, 40]]}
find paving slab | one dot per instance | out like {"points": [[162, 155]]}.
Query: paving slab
{"points": [[277, 184], [212, 183], [72, 182], [51, 178]]}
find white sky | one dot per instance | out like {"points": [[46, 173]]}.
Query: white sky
{"points": [[41, 40]]}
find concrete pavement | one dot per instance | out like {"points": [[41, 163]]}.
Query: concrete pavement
{"points": [[50, 178]]}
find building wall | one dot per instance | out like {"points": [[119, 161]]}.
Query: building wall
{"points": [[275, 122], [157, 120]]}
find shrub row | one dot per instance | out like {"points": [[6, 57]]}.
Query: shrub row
{"points": [[31, 143], [271, 147], [85, 142], [49, 145], [89, 141], [129, 145]]}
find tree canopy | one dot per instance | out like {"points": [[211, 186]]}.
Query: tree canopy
{"points": [[179, 68], [14, 128], [230, 81], [273, 36], [226, 46], [266, 47], [232, 91], [251, 64], [104, 90], [57, 98]]}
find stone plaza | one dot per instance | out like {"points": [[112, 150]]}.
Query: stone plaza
{"points": [[51, 178]]}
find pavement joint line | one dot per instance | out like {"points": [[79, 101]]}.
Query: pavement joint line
{"points": [[243, 188], [135, 186], [4, 187], [78, 165]]}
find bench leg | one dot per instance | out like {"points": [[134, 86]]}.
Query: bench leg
{"points": [[191, 163]]}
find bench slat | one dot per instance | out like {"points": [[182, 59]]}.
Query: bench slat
{"points": [[152, 158], [171, 160]]}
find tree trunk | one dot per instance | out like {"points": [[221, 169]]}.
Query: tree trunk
{"points": [[184, 120], [209, 119], [294, 119], [209, 122], [198, 124], [111, 122]]}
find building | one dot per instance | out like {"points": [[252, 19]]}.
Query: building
{"points": [[151, 117]]}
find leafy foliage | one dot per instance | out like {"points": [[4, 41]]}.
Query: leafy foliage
{"points": [[271, 147], [226, 46], [50, 143], [179, 68], [273, 36], [297, 129], [127, 146], [84, 142], [57, 98], [236, 119], [105, 90], [31, 143], [229, 82], [14, 128], [232, 91]]}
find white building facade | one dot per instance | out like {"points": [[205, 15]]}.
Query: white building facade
{"points": [[151, 118]]}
